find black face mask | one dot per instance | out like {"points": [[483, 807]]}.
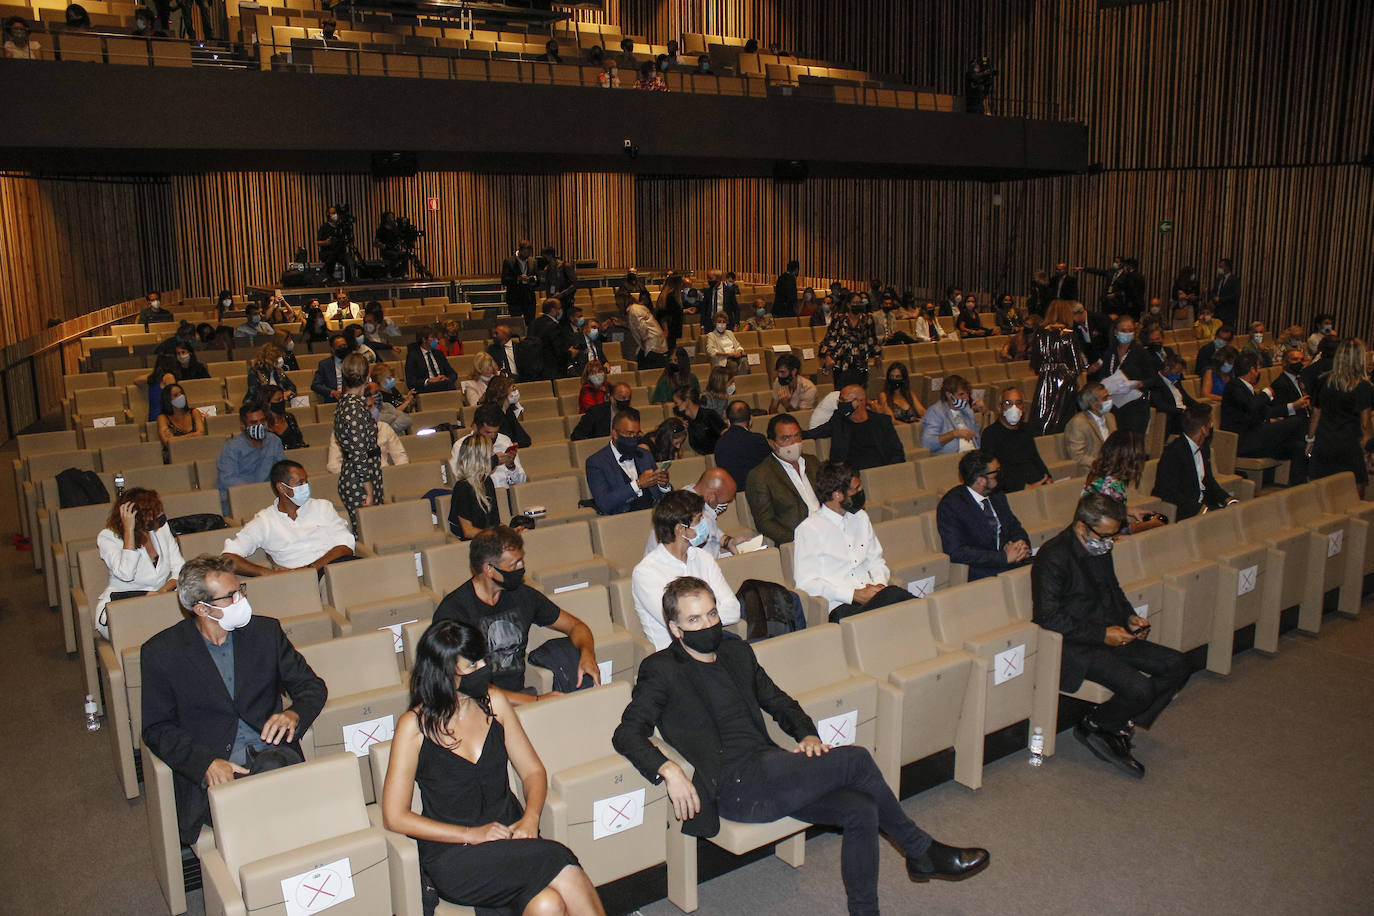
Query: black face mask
{"points": [[680, 412], [844, 409], [704, 641], [341, 352], [622, 405], [279, 408], [784, 380], [511, 579], [158, 522], [1156, 347], [1293, 368], [854, 503], [895, 383], [475, 683], [626, 445]]}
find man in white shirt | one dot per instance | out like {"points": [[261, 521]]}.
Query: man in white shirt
{"points": [[342, 308], [508, 471], [717, 488], [680, 528], [837, 556], [295, 531]]}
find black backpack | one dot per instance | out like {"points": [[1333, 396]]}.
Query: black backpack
{"points": [[76, 487], [769, 609]]}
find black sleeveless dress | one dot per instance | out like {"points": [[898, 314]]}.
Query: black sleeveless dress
{"points": [[499, 877]]}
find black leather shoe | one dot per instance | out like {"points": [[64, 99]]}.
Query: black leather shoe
{"points": [[1111, 748], [948, 863]]}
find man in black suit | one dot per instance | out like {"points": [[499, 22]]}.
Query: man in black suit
{"points": [[587, 342], [1171, 399], [954, 298], [557, 279], [785, 292], [1266, 429], [1184, 476], [1113, 300], [549, 332], [521, 359], [739, 450], [596, 422], [519, 278], [325, 382], [1289, 385], [720, 295], [1075, 592], [1063, 284], [1091, 337], [706, 696], [858, 436], [623, 477], [1225, 293], [975, 521], [428, 369], [1134, 289], [212, 691]]}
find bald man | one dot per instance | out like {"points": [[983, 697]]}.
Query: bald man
{"points": [[596, 422], [718, 489], [859, 437]]}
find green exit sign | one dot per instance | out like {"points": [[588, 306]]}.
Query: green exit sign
{"points": [[1166, 225]]}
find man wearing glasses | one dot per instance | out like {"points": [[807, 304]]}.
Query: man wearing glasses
{"points": [[1012, 442], [975, 521], [212, 690], [1076, 594]]}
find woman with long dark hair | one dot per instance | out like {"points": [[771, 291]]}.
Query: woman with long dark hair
{"points": [[478, 847], [896, 399], [1119, 466], [668, 309]]}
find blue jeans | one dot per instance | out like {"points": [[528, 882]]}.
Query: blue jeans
{"points": [[840, 789]]}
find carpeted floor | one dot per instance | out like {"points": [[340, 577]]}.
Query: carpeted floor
{"points": [[1259, 799]]}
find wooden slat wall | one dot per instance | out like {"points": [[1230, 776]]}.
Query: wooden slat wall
{"points": [[70, 246], [241, 228]]}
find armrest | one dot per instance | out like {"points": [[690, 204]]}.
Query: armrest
{"points": [[403, 865], [958, 573], [221, 894], [342, 625]]}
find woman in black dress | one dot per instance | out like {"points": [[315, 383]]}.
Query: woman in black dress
{"points": [[477, 847], [1340, 429], [850, 345], [473, 506], [668, 309]]}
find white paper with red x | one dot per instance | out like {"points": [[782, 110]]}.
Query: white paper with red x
{"points": [[1008, 664], [397, 640], [617, 814], [921, 588], [839, 731], [317, 890], [1334, 542], [359, 736], [1245, 582]]}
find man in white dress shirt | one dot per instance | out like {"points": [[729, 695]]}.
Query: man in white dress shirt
{"points": [[680, 528], [507, 471], [836, 554], [295, 531], [717, 489]]}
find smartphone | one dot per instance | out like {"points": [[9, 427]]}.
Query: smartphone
{"points": [[664, 465], [513, 449]]}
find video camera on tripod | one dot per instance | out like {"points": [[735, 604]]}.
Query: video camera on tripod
{"points": [[408, 233]]}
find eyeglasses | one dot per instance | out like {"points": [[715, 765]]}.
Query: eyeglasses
{"points": [[1099, 534], [241, 590]]}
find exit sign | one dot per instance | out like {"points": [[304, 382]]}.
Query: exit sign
{"points": [[432, 203], [1166, 225]]}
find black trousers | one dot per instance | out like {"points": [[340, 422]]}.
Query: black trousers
{"points": [[840, 789], [1282, 440], [1135, 416], [1136, 697], [892, 594]]}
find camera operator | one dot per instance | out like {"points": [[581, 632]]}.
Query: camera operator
{"points": [[978, 85], [333, 237], [389, 240]]}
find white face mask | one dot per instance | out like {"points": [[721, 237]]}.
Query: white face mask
{"points": [[1012, 415], [299, 495], [730, 388], [179, 402], [236, 615], [514, 398], [281, 362], [790, 453], [1257, 338], [484, 378], [597, 379], [1105, 407], [290, 344]]}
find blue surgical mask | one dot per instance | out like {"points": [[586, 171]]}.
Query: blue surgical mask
{"points": [[1226, 368], [760, 312], [1174, 376], [390, 383], [434, 344], [594, 333], [700, 533], [1124, 337], [299, 495]]}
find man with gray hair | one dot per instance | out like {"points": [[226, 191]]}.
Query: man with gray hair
{"points": [[212, 690], [1090, 427]]}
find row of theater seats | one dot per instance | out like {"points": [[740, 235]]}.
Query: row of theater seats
{"points": [[904, 681]]}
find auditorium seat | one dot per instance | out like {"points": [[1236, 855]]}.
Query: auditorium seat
{"points": [[894, 487], [622, 648], [558, 498], [912, 552], [365, 689], [99, 407], [941, 692], [294, 599], [938, 473], [766, 566], [402, 527], [190, 449], [378, 592], [40, 472], [1185, 615], [1333, 536], [622, 538], [1249, 587], [1263, 519], [1339, 494], [73, 530], [412, 481], [165, 833], [561, 556]]}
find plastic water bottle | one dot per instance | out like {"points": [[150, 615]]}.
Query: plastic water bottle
{"points": [[119, 484], [1037, 747], [92, 720]]}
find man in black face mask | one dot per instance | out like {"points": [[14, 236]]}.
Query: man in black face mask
{"points": [[791, 389], [497, 602], [976, 524], [325, 383], [623, 477], [596, 422], [858, 436], [707, 697], [1075, 592]]}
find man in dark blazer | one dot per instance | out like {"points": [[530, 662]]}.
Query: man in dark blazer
{"points": [[1288, 385], [557, 279], [427, 368], [1266, 429], [1184, 476], [720, 295], [622, 476], [858, 436], [325, 382], [596, 422], [739, 450], [1225, 293], [1075, 592], [1171, 398], [549, 332], [776, 503], [212, 687], [519, 278], [1113, 300], [785, 292], [707, 696], [1063, 284], [976, 524], [588, 343]]}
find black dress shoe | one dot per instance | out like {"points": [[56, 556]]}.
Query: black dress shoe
{"points": [[948, 863], [1111, 748]]}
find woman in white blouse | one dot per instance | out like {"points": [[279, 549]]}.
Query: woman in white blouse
{"points": [[139, 550], [483, 371]]}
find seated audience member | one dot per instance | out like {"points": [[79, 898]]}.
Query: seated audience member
{"points": [[1207, 324], [1012, 443], [1265, 429], [1255, 344], [153, 310], [739, 450], [721, 343], [836, 554], [860, 437], [648, 341], [703, 426], [18, 45], [968, 324], [706, 696], [379, 332], [1020, 343], [1288, 385], [1170, 398], [926, 328], [977, 527], [212, 722], [594, 389], [609, 77], [497, 602], [475, 385], [1323, 327], [504, 456], [1218, 373], [139, 550], [457, 742], [254, 327], [651, 78], [1075, 593], [1119, 466], [177, 418], [596, 421], [280, 422], [189, 367], [781, 490], [392, 449], [268, 368], [675, 374], [326, 383], [357, 342], [164, 373], [717, 490], [623, 476], [1089, 428], [343, 308], [1008, 316], [896, 399], [391, 404], [1323, 362], [791, 389], [549, 331], [668, 439], [587, 340], [287, 345], [502, 394], [78, 20], [1184, 475], [820, 317], [720, 387], [426, 368], [1207, 352], [949, 424], [295, 531], [680, 532], [249, 456], [762, 319], [473, 507]]}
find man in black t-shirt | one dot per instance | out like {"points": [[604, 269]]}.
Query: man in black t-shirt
{"points": [[497, 602], [1012, 443], [859, 437]]}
